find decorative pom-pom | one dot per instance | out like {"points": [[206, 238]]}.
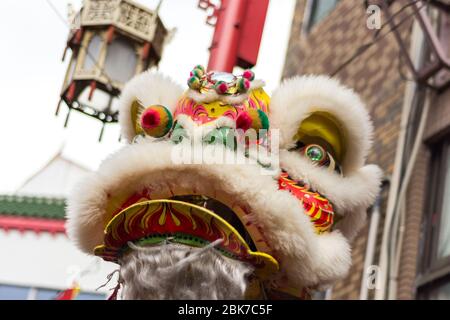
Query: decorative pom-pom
{"points": [[150, 119], [194, 82], [221, 87], [249, 75], [244, 121], [263, 120], [243, 85], [156, 121], [200, 67], [252, 118], [197, 73]]}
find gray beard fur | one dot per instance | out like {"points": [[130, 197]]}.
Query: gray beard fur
{"points": [[177, 271]]}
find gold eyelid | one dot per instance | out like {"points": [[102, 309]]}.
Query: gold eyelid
{"points": [[322, 126]]}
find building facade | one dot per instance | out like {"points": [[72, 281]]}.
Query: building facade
{"points": [[38, 260], [376, 47]]}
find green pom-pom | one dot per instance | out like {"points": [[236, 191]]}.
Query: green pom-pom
{"points": [[263, 119], [200, 67], [260, 123], [194, 82], [197, 73]]}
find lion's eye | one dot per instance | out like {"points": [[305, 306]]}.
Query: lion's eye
{"points": [[316, 153]]}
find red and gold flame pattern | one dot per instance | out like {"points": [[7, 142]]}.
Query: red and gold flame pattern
{"points": [[317, 207], [171, 217], [119, 202]]}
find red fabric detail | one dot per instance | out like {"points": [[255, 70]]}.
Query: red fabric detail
{"points": [[313, 202], [134, 198], [68, 294], [93, 87], [114, 294], [78, 36], [110, 34], [145, 51], [71, 91]]}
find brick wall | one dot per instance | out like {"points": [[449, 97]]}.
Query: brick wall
{"points": [[374, 75]]}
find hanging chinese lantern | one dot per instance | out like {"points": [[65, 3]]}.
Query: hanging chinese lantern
{"points": [[110, 42]]}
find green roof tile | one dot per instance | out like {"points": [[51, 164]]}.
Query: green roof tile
{"points": [[41, 207]]}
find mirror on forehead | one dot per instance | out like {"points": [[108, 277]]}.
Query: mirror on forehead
{"points": [[222, 76]]}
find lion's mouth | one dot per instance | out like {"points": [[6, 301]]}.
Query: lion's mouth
{"points": [[194, 220], [220, 209]]}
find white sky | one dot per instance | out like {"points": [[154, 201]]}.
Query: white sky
{"points": [[31, 73]]}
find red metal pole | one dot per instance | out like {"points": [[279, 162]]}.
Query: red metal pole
{"points": [[224, 47]]}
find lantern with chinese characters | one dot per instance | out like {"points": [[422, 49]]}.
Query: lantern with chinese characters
{"points": [[110, 42]]}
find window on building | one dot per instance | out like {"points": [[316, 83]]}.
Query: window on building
{"points": [[90, 296], [92, 52], [121, 60], [11, 292], [443, 245], [319, 9], [434, 278], [440, 292], [8, 292], [45, 294]]}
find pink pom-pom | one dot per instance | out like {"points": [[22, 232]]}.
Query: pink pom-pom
{"points": [[243, 85], [221, 87], [246, 84], [248, 74], [244, 121], [150, 119]]}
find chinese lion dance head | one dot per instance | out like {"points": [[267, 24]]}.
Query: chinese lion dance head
{"points": [[277, 226]]}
